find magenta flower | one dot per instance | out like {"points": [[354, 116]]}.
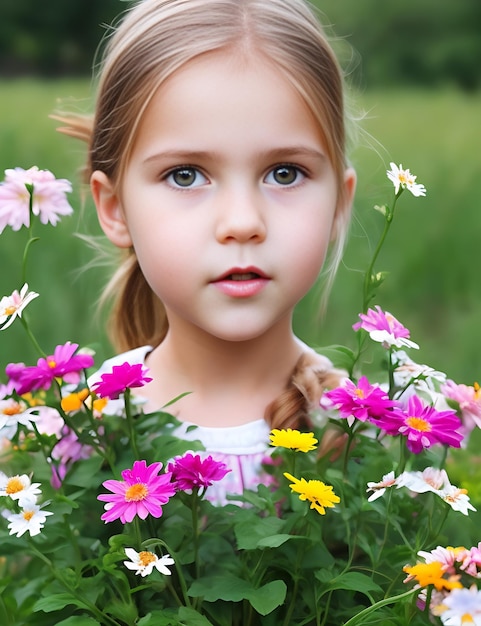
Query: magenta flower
{"points": [[362, 401], [422, 425], [140, 492], [385, 328], [121, 378], [63, 363], [49, 197], [192, 472]]}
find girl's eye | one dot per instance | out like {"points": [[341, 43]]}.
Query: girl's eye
{"points": [[284, 175], [185, 177]]}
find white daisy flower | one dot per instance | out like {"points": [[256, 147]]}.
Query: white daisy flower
{"points": [[463, 607], [144, 562], [403, 179], [12, 306], [378, 489], [430, 479], [31, 518], [13, 413], [457, 499], [388, 340], [19, 488]]}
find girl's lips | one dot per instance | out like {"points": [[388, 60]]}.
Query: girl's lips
{"points": [[241, 282]]}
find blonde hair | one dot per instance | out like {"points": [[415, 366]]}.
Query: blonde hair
{"points": [[156, 38]]}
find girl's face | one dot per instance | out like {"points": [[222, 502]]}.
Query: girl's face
{"points": [[228, 199]]}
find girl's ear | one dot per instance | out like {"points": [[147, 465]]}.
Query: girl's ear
{"points": [[109, 210], [343, 212]]}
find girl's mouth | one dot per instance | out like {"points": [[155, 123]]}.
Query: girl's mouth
{"points": [[243, 276], [242, 282]]}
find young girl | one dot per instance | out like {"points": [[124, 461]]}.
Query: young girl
{"points": [[216, 163]]}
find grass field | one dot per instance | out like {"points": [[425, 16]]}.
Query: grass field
{"points": [[432, 253]]}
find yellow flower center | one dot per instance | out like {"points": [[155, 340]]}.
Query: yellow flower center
{"points": [[477, 391], [136, 492], [10, 310], [52, 364], [27, 515], [145, 558], [418, 423], [28, 397], [359, 393], [14, 409], [467, 619], [14, 485], [454, 496]]}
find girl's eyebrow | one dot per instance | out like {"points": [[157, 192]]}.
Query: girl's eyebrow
{"points": [[275, 154]]}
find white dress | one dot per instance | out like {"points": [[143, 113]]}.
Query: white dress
{"points": [[242, 448]]}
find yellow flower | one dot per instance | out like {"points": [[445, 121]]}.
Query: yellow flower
{"points": [[74, 401], [431, 574], [293, 439], [320, 495]]}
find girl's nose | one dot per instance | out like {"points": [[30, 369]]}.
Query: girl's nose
{"points": [[241, 217]]}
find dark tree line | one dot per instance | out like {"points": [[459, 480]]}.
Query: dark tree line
{"points": [[424, 42]]}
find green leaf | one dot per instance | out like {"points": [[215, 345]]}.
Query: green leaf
{"points": [[274, 541], [159, 618], [269, 597], [251, 531], [57, 601], [81, 474], [228, 588], [78, 620], [232, 589], [341, 356], [354, 581], [189, 617]]}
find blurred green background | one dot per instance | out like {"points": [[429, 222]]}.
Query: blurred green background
{"points": [[414, 72]]}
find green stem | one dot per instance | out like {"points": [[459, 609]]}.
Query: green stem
{"points": [[390, 375], [138, 535], [31, 336], [180, 574], [31, 238], [130, 424], [359, 617], [368, 276], [195, 530]]}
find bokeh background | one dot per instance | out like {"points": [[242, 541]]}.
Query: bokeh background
{"points": [[414, 75]]}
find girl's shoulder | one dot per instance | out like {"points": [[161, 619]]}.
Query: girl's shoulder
{"points": [[137, 355]]}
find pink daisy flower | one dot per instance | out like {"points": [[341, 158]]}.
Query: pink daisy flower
{"points": [[362, 401], [422, 425], [12, 306], [472, 561], [63, 363], [121, 378], [141, 492], [384, 328], [49, 197], [192, 472], [469, 400]]}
